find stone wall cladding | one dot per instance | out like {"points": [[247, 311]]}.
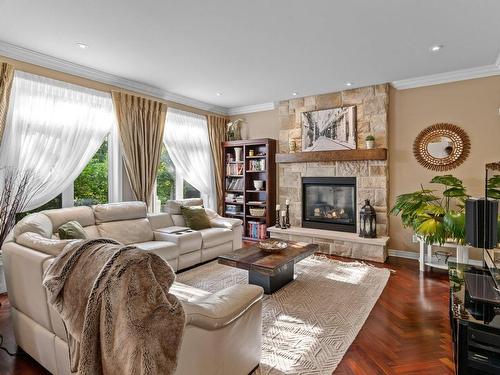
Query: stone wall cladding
{"points": [[372, 105]]}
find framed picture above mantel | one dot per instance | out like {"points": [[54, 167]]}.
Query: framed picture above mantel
{"points": [[329, 129]]}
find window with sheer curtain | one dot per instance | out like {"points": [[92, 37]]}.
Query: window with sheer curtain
{"points": [[186, 141], [53, 129]]}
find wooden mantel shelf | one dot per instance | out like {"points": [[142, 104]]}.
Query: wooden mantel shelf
{"points": [[339, 155]]}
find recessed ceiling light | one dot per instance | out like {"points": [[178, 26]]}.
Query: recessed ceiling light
{"points": [[294, 93], [82, 45], [436, 48], [219, 93], [348, 84]]}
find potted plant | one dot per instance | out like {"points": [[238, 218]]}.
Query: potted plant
{"points": [[434, 218], [370, 141]]}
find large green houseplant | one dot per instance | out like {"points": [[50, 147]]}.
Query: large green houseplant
{"points": [[433, 216]]}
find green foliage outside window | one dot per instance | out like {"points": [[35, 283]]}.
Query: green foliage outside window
{"points": [[91, 187], [165, 181]]}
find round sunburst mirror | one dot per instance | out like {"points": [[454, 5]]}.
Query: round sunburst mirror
{"points": [[441, 147]]}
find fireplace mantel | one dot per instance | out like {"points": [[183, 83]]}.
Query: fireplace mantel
{"points": [[326, 156]]}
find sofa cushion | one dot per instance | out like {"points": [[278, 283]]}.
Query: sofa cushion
{"points": [[173, 207], [92, 231], [167, 250], [215, 236], [35, 223], [160, 220], [195, 217], [127, 231], [83, 214], [72, 230], [119, 211]]}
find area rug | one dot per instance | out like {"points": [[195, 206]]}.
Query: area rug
{"points": [[310, 323]]}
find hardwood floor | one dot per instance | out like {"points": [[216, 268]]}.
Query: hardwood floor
{"points": [[407, 331]]}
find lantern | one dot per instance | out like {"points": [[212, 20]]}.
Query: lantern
{"points": [[367, 221]]}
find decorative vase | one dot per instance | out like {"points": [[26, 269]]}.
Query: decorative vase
{"points": [[258, 184], [370, 144], [237, 153], [367, 221]]}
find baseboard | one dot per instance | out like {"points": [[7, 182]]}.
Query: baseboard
{"points": [[415, 255]]}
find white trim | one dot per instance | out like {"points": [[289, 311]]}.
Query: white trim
{"points": [[403, 254], [23, 54], [251, 108], [415, 256], [115, 167], [457, 75]]}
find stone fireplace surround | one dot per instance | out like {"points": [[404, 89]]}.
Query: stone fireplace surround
{"points": [[371, 175]]}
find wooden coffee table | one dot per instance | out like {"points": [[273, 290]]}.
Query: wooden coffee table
{"points": [[269, 270]]}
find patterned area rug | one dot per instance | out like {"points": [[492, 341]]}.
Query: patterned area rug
{"points": [[310, 323]]}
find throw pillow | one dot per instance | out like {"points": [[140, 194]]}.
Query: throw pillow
{"points": [[72, 230], [195, 217]]}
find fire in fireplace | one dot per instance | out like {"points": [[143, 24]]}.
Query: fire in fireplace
{"points": [[329, 203]]}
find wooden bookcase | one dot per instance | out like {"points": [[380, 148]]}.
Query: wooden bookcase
{"points": [[239, 177]]}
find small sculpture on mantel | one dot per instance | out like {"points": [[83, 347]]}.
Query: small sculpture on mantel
{"points": [[287, 217], [277, 223]]}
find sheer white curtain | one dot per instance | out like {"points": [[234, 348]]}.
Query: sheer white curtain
{"points": [[53, 129], [186, 139]]}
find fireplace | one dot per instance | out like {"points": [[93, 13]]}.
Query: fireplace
{"points": [[329, 203]]}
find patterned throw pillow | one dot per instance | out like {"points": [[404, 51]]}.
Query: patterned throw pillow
{"points": [[195, 217], [72, 230]]}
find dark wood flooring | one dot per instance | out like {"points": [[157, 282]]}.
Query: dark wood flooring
{"points": [[407, 331]]}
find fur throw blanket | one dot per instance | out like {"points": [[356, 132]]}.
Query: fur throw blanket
{"points": [[118, 313]]}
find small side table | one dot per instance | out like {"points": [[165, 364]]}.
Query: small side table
{"points": [[425, 257]]}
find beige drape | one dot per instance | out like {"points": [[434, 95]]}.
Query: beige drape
{"points": [[216, 133], [6, 77], [141, 123]]}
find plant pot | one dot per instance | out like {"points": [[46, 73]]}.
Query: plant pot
{"points": [[370, 144]]}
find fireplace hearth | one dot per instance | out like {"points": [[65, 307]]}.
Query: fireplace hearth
{"points": [[329, 203]]}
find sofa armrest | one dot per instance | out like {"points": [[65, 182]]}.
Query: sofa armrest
{"points": [[218, 221], [45, 245], [223, 307]]}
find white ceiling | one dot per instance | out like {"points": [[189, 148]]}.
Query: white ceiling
{"points": [[257, 51]]}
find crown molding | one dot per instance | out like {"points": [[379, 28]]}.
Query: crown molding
{"points": [[457, 75], [251, 108], [26, 55]]}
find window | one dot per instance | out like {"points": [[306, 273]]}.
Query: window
{"points": [[170, 184], [91, 187]]}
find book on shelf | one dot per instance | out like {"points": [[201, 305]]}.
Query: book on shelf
{"points": [[234, 184], [234, 169], [257, 165], [257, 230]]}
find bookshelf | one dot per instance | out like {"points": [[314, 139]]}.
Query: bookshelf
{"points": [[245, 199]]}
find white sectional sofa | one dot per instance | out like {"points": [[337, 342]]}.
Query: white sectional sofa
{"points": [[223, 329]]}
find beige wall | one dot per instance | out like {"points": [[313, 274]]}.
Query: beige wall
{"points": [[473, 105], [260, 124]]}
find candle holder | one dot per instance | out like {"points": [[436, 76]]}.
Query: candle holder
{"points": [[287, 217], [283, 222], [277, 223]]}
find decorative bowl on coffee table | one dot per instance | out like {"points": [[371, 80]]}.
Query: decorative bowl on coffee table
{"points": [[272, 245]]}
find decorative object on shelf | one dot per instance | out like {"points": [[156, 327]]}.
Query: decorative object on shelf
{"points": [[433, 218], [283, 224], [258, 184], [441, 147], [277, 224], [257, 212], [329, 129], [370, 141], [234, 130], [292, 145], [237, 153], [367, 221], [257, 165], [272, 245], [251, 153], [442, 256], [287, 217]]}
